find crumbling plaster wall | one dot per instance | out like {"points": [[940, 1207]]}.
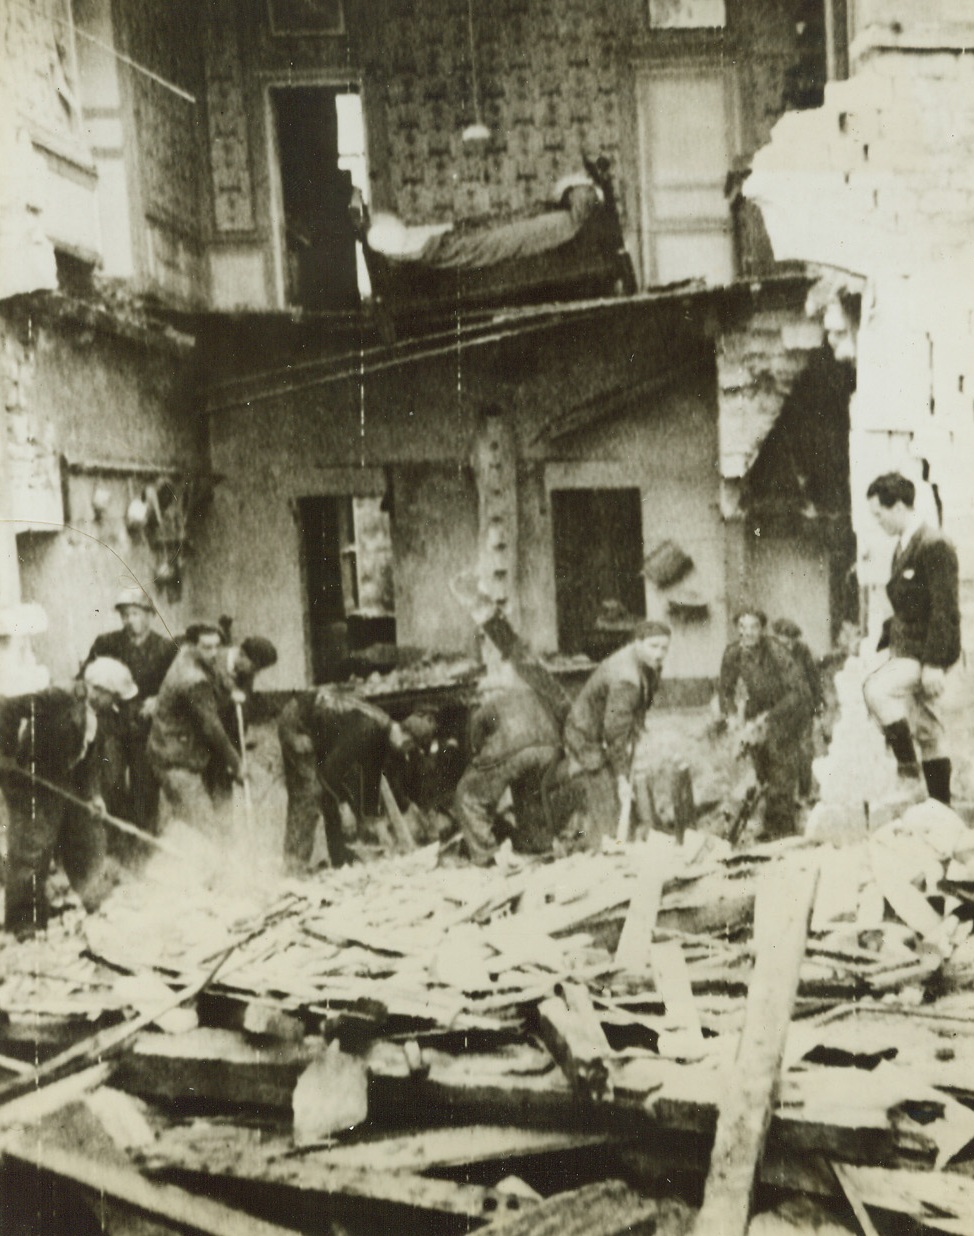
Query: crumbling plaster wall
{"points": [[556, 80], [417, 425], [103, 402], [879, 182]]}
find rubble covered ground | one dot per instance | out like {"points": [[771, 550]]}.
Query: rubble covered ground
{"points": [[414, 1044]]}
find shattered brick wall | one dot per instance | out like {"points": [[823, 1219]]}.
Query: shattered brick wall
{"points": [[879, 182]]}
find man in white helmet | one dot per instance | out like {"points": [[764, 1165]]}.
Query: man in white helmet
{"points": [[129, 785], [55, 735]]}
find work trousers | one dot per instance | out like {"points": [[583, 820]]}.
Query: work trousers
{"points": [[303, 805], [42, 827], [777, 766], [600, 801], [350, 771], [894, 692], [129, 785], [187, 799], [480, 790]]}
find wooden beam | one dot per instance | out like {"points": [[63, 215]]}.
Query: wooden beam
{"points": [[608, 1208], [191, 1212], [783, 907], [106, 1042], [399, 826]]}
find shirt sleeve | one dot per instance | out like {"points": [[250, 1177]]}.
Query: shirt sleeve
{"points": [[12, 711], [623, 716], [201, 700]]}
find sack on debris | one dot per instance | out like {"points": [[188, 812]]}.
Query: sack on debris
{"points": [[331, 1095]]}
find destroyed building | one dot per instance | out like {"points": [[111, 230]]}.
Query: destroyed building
{"points": [[330, 315], [271, 418]]}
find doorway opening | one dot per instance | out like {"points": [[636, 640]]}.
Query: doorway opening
{"points": [[348, 571], [598, 550], [321, 150]]}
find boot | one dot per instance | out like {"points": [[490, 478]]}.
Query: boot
{"points": [[936, 773], [900, 742]]}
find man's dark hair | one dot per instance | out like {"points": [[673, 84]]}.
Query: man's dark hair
{"points": [[892, 487], [259, 651], [786, 628], [751, 611]]}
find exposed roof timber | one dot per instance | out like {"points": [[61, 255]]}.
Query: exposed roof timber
{"points": [[473, 331]]}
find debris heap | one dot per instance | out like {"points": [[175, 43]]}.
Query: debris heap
{"points": [[654, 1037]]}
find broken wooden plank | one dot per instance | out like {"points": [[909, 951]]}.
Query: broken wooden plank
{"points": [[655, 860], [783, 907], [434, 1148], [938, 1198], [34, 1106], [192, 1212], [607, 1208], [854, 1198], [573, 1034], [684, 1036], [215, 1066], [106, 1042], [396, 818], [300, 1178]]}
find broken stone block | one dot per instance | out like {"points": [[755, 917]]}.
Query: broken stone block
{"points": [[331, 1095]]}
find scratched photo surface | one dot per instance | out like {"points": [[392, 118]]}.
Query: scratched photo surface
{"points": [[486, 583]]}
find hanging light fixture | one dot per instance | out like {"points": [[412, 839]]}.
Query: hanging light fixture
{"points": [[478, 131]]}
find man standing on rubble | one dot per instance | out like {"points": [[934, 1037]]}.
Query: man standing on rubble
{"points": [[513, 742], [606, 720], [326, 738], [55, 735], [923, 638], [763, 689], [130, 787], [187, 734]]}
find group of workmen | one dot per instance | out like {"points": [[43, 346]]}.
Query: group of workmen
{"points": [[150, 713]]}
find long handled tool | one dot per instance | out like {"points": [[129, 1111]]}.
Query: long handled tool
{"points": [[625, 806], [123, 826], [244, 772]]}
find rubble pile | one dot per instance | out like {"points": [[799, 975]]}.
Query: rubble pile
{"points": [[408, 1045]]}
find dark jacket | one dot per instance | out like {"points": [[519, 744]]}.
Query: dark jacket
{"points": [[609, 712], [327, 716], [774, 685], [186, 728], [923, 591], [45, 732], [147, 662], [808, 667], [508, 721]]}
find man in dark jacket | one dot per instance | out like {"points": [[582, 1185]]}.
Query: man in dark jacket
{"points": [[606, 720], [513, 742], [762, 688], [187, 734], [923, 638], [129, 785], [789, 635], [54, 735], [327, 740]]}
